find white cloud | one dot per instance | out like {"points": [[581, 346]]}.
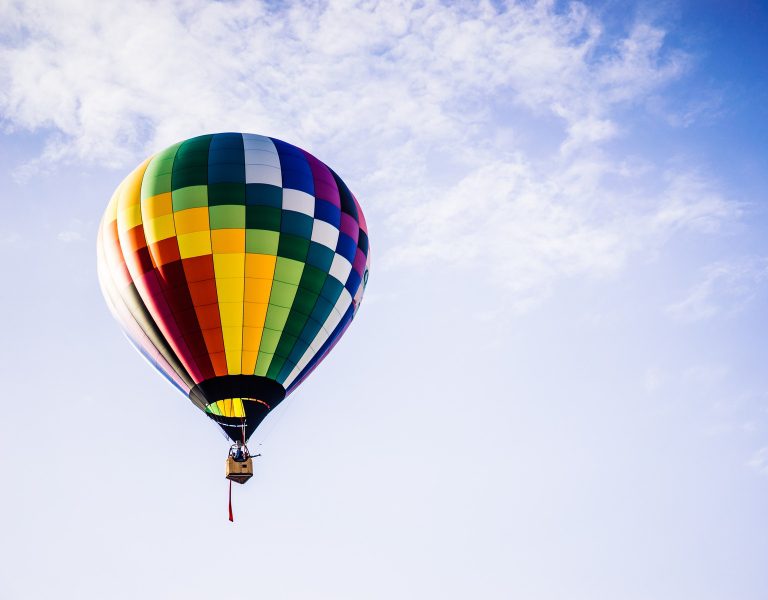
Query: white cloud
{"points": [[653, 379], [435, 110], [759, 461], [725, 289], [70, 236]]}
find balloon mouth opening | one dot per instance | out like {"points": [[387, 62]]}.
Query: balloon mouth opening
{"points": [[233, 407]]}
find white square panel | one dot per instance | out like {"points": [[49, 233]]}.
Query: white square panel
{"points": [[258, 142], [299, 201], [340, 268], [325, 234], [263, 174]]}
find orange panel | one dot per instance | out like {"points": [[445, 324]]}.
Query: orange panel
{"points": [[228, 241], [214, 341], [219, 362]]}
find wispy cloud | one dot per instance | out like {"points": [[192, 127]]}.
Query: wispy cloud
{"points": [[434, 109], [70, 236], [725, 289], [759, 461]]}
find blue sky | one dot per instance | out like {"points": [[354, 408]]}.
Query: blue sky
{"points": [[556, 385]]}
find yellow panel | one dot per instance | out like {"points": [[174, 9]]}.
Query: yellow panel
{"points": [[257, 290], [239, 409], [128, 217], [260, 266], [157, 206], [252, 338], [127, 198], [231, 314], [132, 183], [233, 362], [158, 229], [233, 337], [227, 241], [228, 265], [192, 219], [249, 362], [111, 213], [254, 314], [230, 289], [194, 244]]}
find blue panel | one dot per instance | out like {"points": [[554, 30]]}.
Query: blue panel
{"points": [[296, 172], [353, 282], [346, 247], [226, 159], [330, 213]]}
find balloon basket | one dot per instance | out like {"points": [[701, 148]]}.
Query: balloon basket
{"points": [[239, 471]]}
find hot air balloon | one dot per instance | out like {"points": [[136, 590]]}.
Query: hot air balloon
{"points": [[234, 263]]}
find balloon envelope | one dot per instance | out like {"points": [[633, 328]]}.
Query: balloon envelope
{"points": [[234, 263]]}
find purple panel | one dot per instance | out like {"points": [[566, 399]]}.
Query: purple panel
{"points": [[325, 184], [359, 265], [349, 226]]}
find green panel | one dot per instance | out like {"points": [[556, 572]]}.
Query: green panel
{"points": [[332, 289], [282, 294], [260, 241], [157, 176], [227, 217], [191, 164], [293, 247], [193, 196], [262, 364], [226, 193], [263, 217], [288, 270], [276, 317], [320, 256], [295, 322], [322, 309], [311, 329], [195, 146], [312, 279], [297, 224], [269, 340], [284, 348], [278, 362], [263, 194], [304, 301]]}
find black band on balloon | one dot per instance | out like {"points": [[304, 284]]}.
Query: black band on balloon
{"points": [[268, 391], [238, 386]]}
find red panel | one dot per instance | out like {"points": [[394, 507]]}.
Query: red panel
{"points": [[139, 262], [165, 251], [219, 360], [199, 268], [208, 316], [187, 320], [150, 291], [203, 292]]}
